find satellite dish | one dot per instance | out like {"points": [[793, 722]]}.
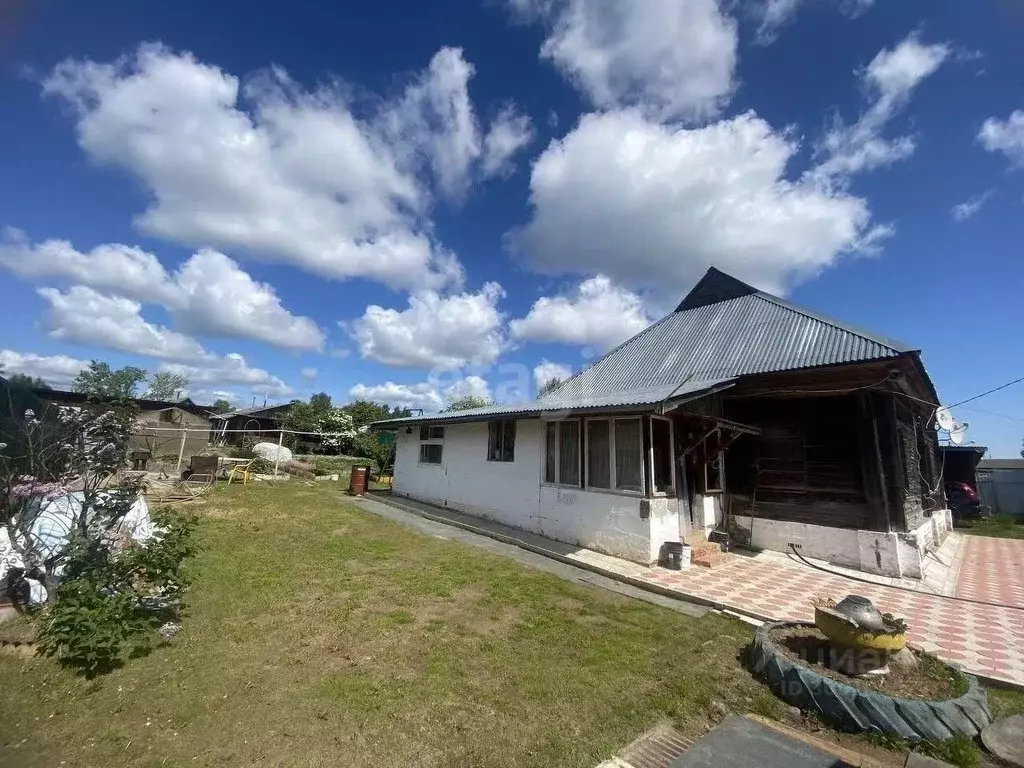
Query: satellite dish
{"points": [[958, 433], [944, 419]]}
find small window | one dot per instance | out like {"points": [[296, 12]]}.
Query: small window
{"points": [[629, 455], [562, 452], [501, 441], [167, 416], [662, 471], [599, 468], [430, 453], [569, 453], [551, 452], [431, 433], [713, 480]]}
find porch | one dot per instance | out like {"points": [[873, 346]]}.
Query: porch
{"points": [[816, 461]]}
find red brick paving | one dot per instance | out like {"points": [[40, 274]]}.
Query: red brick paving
{"points": [[985, 639], [993, 571]]}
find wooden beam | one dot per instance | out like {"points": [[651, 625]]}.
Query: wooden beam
{"points": [[883, 516]]}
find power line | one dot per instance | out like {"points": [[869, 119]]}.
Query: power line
{"points": [[989, 392], [993, 413]]}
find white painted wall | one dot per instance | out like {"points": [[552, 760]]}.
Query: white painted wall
{"points": [[836, 545], [512, 493], [710, 510], [887, 554]]}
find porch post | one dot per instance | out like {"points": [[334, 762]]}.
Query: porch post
{"points": [[873, 469]]}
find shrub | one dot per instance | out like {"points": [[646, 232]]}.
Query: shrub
{"points": [[112, 600]]}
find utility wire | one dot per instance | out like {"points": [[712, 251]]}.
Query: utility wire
{"points": [[989, 392], [993, 413]]}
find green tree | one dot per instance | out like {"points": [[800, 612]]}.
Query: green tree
{"points": [[364, 412], [221, 406], [167, 386], [465, 403], [24, 380], [549, 386], [101, 382], [300, 417], [320, 402]]}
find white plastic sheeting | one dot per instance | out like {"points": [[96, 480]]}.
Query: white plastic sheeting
{"points": [[52, 526], [272, 451]]}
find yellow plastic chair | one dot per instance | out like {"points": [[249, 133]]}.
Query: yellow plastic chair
{"points": [[241, 470]]}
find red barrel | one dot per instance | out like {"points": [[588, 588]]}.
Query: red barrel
{"points": [[357, 480]]}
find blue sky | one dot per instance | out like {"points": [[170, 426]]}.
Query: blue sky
{"points": [[414, 201]]}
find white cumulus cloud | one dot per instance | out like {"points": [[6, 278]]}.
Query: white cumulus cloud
{"points": [[431, 395], [423, 395], [1006, 136], [281, 172], [671, 58], [80, 315], [968, 208], [434, 330], [231, 370], [546, 371], [597, 313], [309, 373], [56, 370], [889, 80], [209, 295], [772, 15], [653, 206]]}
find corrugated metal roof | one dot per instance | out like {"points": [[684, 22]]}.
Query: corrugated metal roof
{"points": [[752, 334], [552, 407], [722, 330]]}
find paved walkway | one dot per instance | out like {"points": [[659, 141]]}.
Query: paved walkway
{"points": [[993, 571], [985, 640]]}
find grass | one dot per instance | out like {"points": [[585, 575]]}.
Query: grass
{"points": [[1000, 526], [320, 635]]}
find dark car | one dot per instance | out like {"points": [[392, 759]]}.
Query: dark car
{"points": [[963, 500]]}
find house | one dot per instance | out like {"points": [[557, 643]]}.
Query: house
{"points": [[1001, 486], [738, 414], [254, 424], [160, 423]]}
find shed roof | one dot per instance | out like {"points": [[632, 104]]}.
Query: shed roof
{"points": [[1001, 464], [722, 330]]}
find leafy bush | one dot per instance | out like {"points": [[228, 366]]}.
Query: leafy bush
{"points": [[112, 599]]}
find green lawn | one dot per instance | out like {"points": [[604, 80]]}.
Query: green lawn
{"points": [[320, 635], [1001, 526]]}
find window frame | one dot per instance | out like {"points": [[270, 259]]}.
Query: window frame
{"points": [[429, 444], [431, 434], [502, 432], [430, 430], [613, 480], [557, 482], [671, 452]]}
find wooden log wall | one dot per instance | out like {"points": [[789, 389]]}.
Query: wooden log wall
{"points": [[806, 465]]}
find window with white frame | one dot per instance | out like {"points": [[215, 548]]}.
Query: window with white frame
{"points": [[431, 444], [562, 452], [501, 440], [615, 454]]}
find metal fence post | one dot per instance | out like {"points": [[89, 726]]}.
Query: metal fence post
{"points": [[277, 457], [181, 449]]}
